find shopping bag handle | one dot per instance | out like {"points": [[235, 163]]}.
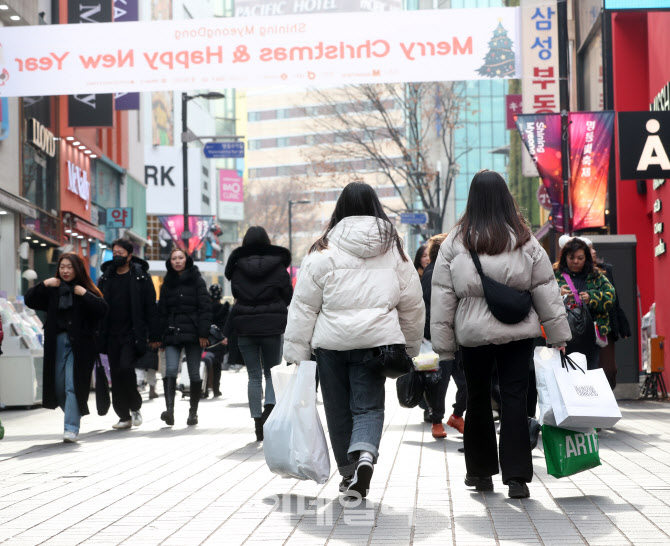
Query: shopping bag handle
{"points": [[567, 363]]}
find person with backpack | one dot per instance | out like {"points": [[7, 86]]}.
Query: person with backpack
{"points": [[75, 309], [185, 315], [261, 286], [357, 294], [130, 328], [493, 289]]}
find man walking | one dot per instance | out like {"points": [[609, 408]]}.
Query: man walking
{"points": [[130, 325]]}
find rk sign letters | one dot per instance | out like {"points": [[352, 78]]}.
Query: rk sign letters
{"points": [[644, 145]]}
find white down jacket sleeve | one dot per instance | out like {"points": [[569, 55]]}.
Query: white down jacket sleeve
{"points": [[303, 312], [547, 298], [411, 309], [443, 304]]}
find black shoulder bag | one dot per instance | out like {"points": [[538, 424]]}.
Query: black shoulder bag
{"points": [[507, 304]]}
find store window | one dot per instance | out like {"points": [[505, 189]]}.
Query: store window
{"points": [[39, 183]]}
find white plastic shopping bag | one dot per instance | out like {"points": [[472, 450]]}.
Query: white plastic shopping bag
{"points": [[428, 360], [544, 360], [294, 441]]}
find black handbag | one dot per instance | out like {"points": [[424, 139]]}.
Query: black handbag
{"points": [[148, 361], [102, 398], [507, 304], [580, 321], [391, 361], [410, 389], [215, 336]]}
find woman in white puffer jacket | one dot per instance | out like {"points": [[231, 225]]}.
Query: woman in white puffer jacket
{"points": [[356, 291], [494, 229]]}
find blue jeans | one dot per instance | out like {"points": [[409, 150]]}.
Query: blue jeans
{"points": [[260, 352], [173, 354], [65, 395], [353, 397]]}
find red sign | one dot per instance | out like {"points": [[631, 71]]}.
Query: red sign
{"points": [[543, 197], [513, 107]]}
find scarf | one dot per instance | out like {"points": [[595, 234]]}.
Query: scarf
{"points": [[65, 296]]}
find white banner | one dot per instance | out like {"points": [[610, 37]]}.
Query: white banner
{"points": [[325, 49], [539, 86]]}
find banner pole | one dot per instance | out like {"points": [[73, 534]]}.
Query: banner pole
{"points": [[564, 90]]}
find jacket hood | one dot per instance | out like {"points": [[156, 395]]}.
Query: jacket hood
{"points": [[257, 261], [189, 264], [360, 235], [134, 261], [190, 275]]}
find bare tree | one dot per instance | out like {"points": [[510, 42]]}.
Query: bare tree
{"points": [[399, 130]]}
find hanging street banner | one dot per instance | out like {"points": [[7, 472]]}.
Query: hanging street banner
{"points": [[539, 83], [231, 195], [541, 133], [198, 226], [590, 137], [590, 145], [317, 49]]}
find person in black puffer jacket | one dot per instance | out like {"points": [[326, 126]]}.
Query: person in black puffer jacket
{"points": [[214, 355], [186, 315], [262, 287]]}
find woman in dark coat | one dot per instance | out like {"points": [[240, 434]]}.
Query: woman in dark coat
{"points": [[75, 308], [262, 288], [186, 315]]}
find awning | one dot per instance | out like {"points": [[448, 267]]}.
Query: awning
{"points": [[89, 230], [17, 204], [136, 237], [543, 231]]}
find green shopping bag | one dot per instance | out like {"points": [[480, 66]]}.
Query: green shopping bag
{"points": [[2, 431], [568, 452]]}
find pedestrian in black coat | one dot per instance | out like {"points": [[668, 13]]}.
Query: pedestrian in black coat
{"points": [[75, 308], [214, 355], [129, 327], [261, 285], [186, 316]]}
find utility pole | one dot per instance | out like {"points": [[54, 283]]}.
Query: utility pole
{"points": [[564, 90], [186, 234]]}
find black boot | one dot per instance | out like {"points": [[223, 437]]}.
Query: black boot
{"points": [[216, 380], [194, 398], [169, 386], [258, 422], [267, 410]]}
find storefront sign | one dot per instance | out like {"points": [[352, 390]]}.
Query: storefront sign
{"points": [[637, 4], [539, 84], [660, 248], [658, 227], [231, 195], [78, 182], [120, 217], [644, 145], [249, 8], [126, 11], [513, 106], [40, 137], [320, 49]]}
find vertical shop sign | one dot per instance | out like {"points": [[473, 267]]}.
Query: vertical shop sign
{"points": [[539, 85], [4, 118], [231, 195], [590, 144], [126, 11], [89, 110], [162, 118]]}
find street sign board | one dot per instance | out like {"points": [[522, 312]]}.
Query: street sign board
{"points": [[415, 218], [215, 150], [120, 217]]}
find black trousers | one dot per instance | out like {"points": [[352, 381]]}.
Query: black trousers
{"points": [[435, 394], [122, 360], [479, 439]]}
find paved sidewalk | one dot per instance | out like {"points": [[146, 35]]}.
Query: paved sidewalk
{"points": [[209, 484]]}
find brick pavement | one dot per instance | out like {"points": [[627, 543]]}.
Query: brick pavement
{"points": [[210, 485]]}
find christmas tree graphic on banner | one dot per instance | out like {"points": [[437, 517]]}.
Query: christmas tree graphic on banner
{"points": [[499, 61]]}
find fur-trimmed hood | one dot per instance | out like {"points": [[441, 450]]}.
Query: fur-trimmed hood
{"points": [[190, 275], [134, 262], [257, 261]]}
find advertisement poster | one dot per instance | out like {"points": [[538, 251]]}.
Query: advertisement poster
{"points": [[590, 145], [199, 227], [126, 11], [162, 118], [320, 49], [231, 195]]}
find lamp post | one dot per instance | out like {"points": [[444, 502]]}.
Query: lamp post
{"points": [[186, 234], [291, 202]]}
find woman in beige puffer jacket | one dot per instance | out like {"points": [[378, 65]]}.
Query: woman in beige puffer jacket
{"points": [[493, 227], [356, 291]]}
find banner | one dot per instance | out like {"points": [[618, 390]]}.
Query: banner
{"points": [[4, 119], [319, 49], [126, 11], [198, 226], [162, 118], [541, 133], [255, 8], [231, 195], [539, 84], [590, 143], [644, 145]]}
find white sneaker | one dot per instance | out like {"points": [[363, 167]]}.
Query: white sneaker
{"points": [[137, 418], [70, 437], [123, 425]]}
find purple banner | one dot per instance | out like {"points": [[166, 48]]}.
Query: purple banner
{"points": [[126, 11]]}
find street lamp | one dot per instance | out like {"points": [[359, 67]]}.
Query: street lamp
{"points": [[291, 202], [213, 95]]}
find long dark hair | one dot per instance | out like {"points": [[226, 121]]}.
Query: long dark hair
{"points": [[490, 215], [256, 235], [81, 276], [572, 246], [418, 256], [360, 199]]}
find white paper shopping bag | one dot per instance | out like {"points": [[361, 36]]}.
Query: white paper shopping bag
{"points": [[581, 397]]}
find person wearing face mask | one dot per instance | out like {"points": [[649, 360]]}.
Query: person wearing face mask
{"points": [[129, 328], [185, 311], [74, 308]]}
